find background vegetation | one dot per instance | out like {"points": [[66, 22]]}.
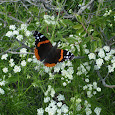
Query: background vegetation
{"points": [[78, 87]]}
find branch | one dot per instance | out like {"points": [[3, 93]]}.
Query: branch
{"points": [[84, 7], [19, 52], [22, 44], [103, 80], [17, 20]]}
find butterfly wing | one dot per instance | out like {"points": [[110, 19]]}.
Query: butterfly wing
{"points": [[58, 55], [43, 46]]}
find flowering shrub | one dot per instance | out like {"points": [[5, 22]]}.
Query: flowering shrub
{"points": [[76, 87]]}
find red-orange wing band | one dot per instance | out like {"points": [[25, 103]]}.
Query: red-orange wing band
{"points": [[36, 54]]}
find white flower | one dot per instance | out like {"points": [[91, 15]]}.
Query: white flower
{"points": [[28, 33], [107, 57], [78, 108], [59, 104], [52, 92], [89, 94], [99, 62], [40, 111], [86, 51], [88, 111], [64, 108], [60, 97], [23, 63], [92, 56], [19, 37], [101, 53], [11, 60], [56, 69], [95, 85], [12, 27], [78, 100], [97, 110], [2, 83], [98, 89], [94, 92], [4, 56], [70, 35], [47, 99], [23, 50], [1, 91], [5, 70], [11, 64], [15, 32], [112, 51], [106, 48], [87, 80], [58, 111], [29, 59], [110, 68], [23, 27], [113, 60], [16, 69], [9, 34], [64, 83], [85, 87]]}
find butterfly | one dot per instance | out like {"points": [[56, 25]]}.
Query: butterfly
{"points": [[49, 54]]}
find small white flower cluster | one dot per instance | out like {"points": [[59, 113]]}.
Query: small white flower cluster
{"points": [[5, 69], [23, 50], [11, 61], [104, 55], [78, 103], [2, 91], [107, 13], [4, 57], [91, 89], [50, 19], [13, 31], [53, 108], [97, 110], [78, 40], [79, 106], [17, 69], [83, 69], [23, 63], [87, 108], [2, 83], [66, 73]]}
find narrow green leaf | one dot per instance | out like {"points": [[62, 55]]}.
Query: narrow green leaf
{"points": [[78, 26]]}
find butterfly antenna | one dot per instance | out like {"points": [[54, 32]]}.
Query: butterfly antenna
{"points": [[79, 57]]}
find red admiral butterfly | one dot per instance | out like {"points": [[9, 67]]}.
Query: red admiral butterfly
{"points": [[47, 53]]}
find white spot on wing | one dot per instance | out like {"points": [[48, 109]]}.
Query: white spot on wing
{"points": [[41, 36], [37, 37], [67, 53]]}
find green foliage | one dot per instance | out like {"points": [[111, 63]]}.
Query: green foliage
{"points": [[24, 91]]}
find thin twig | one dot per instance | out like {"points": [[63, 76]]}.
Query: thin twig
{"points": [[84, 7], [19, 52], [103, 81], [15, 19]]}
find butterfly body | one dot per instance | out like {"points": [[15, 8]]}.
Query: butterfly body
{"points": [[50, 55]]}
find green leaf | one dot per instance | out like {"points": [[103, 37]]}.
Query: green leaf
{"points": [[95, 33], [87, 39], [93, 46], [89, 28], [80, 31], [78, 26]]}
